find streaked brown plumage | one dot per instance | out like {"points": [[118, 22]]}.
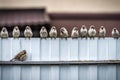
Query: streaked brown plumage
{"points": [[16, 32], [23, 57], [20, 56], [63, 32], [28, 32]]}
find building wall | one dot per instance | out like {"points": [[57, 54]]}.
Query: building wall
{"points": [[71, 6]]}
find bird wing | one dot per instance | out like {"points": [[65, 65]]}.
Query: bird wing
{"points": [[19, 55]]}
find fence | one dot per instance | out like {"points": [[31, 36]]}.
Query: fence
{"points": [[61, 50]]}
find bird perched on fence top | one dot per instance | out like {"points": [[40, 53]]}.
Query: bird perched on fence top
{"points": [[92, 31], [63, 32], [75, 32], [102, 31], [28, 32], [4, 33], [43, 32], [16, 32], [21, 56], [83, 31], [115, 33], [53, 32]]}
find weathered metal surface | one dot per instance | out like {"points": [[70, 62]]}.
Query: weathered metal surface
{"points": [[66, 72], [61, 49], [55, 50], [61, 62]]}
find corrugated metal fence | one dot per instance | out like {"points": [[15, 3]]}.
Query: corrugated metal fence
{"points": [[61, 50]]}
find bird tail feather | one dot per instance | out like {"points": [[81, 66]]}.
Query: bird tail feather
{"points": [[12, 60]]}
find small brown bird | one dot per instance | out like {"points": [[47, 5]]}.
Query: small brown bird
{"points": [[53, 32], [75, 32], [63, 32], [83, 31], [115, 33], [102, 31], [21, 56], [28, 32], [43, 32], [92, 31], [4, 33], [16, 32]]}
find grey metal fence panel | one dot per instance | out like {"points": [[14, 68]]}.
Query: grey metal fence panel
{"points": [[106, 72], [6, 49], [16, 71], [73, 72], [103, 49], [0, 60], [92, 49], [45, 73], [92, 56], [118, 72], [54, 52], [83, 72], [61, 50], [54, 49], [26, 70], [74, 49], [112, 49], [55, 73], [64, 50], [118, 49], [45, 49], [83, 49], [6, 46], [35, 50]]}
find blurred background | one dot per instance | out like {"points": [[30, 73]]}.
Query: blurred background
{"points": [[68, 6], [59, 13]]}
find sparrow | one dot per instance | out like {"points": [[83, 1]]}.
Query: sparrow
{"points": [[21, 56], [102, 31], [28, 32], [43, 32], [83, 31], [4, 33], [75, 33], [53, 32], [63, 32], [92, 31], [115, 33], [16, 32]]}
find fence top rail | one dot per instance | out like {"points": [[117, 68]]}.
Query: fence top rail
{"points": [[85, 62]]}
